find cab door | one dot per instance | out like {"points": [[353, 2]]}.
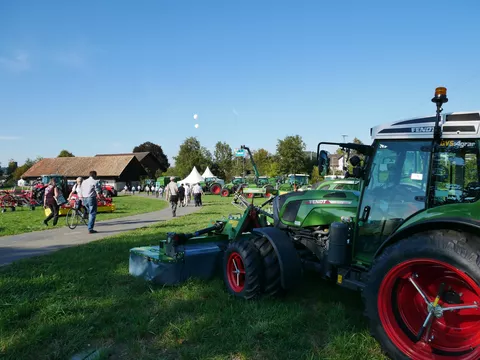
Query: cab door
{"points": [[395, 189]]}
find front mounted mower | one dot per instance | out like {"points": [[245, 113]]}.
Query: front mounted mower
{"points": [[408, 239]]}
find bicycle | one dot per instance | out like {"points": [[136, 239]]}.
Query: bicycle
{"points": [[76, 215]]}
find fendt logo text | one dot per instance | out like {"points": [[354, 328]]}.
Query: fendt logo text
{"points": [[425, 129]]}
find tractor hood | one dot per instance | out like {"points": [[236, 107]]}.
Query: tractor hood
{"points": [[314, 207]]}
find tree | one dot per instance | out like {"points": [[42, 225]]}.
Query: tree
{"points": [[1, 170], [192, 154], [157, 152], [291, 154], [12, 166], [222, 160], [262, 159], [19, 171], [273, 169], [171, 171], [65, 153], [315, 177]]}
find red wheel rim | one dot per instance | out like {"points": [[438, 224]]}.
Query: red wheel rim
{"points": [[402, 310], [236, 272], [225, 193], [250, 195], [215, 189]]}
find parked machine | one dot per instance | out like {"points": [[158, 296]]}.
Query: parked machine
{"points": [[41, 183], [409, 239]]}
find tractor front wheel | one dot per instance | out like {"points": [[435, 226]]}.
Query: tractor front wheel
{"points": [[250, 195], [225, 193], [422, 297], [242, 269]]}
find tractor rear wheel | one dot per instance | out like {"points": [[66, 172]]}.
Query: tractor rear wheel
{"points": [[436, 273], [271, 284], [250, 195], [225, 193], [215, 189], [242, 269]]}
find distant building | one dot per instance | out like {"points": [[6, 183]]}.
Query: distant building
{"points": [[115, 170], [337, 162]]}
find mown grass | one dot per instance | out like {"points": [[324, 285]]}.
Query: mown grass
{"points": [[83, 298], [25, 220]]}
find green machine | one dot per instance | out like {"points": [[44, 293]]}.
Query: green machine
{"points": [[408, 239], [250, 185]]}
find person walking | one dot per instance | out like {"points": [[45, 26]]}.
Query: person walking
{"points": [[147, 190], [181, 195], [49, 201], [138, 188], [197, 194], [90, 190], [187, 194], [133, 189], [171, 192]]}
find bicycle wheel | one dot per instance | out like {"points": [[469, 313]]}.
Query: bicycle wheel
{"points": [[72, 219], [82, 215]]}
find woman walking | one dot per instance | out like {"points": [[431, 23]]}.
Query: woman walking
{"points": [[51, 193]]}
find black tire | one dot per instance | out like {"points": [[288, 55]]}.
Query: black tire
{"points": [[252, 264], [72, 219], [271, 281], [457, 249]]}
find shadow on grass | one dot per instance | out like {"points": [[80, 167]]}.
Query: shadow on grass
{"points": [[54, 306]]}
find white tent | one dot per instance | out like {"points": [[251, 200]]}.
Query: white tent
{"points": [[207, 173], [193, 178]]}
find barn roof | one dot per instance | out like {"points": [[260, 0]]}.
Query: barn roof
{"points": [[139, 155], [81, 166]]}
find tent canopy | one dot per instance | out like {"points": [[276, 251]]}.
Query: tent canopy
{"points": [[193, 178], [207, 173]]}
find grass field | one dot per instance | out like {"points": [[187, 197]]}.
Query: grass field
{"points": [[80, 298], [25, 220]]}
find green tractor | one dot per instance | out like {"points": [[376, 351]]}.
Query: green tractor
{"points": [[409, 239], [212, 185], [293, 182], [232, 187]]}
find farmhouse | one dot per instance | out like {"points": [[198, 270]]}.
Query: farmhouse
{"points": [[115, 170]]}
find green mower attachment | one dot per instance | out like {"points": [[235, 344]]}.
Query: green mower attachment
{"points": [[197, 254]]}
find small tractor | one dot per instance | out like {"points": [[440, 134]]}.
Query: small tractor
{"points": [[409, 239], [232, 187]]}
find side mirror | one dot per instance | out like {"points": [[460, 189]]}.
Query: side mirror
{"points": [[323, 162]]}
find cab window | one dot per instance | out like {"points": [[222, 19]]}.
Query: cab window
{"points": [[456, 176]]}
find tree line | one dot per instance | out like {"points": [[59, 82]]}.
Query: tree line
{"points": [[290, 157]]}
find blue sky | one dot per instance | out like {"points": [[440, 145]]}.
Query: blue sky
{"points": [[103, 76]]}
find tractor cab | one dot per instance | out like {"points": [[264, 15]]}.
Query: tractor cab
{"points": [[410, 177]]}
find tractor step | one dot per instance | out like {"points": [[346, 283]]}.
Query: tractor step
{"points": [[201, 261]]}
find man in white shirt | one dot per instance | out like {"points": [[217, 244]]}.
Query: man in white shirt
{"points": [[197, 194], [171, 191], [90, 189]]}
